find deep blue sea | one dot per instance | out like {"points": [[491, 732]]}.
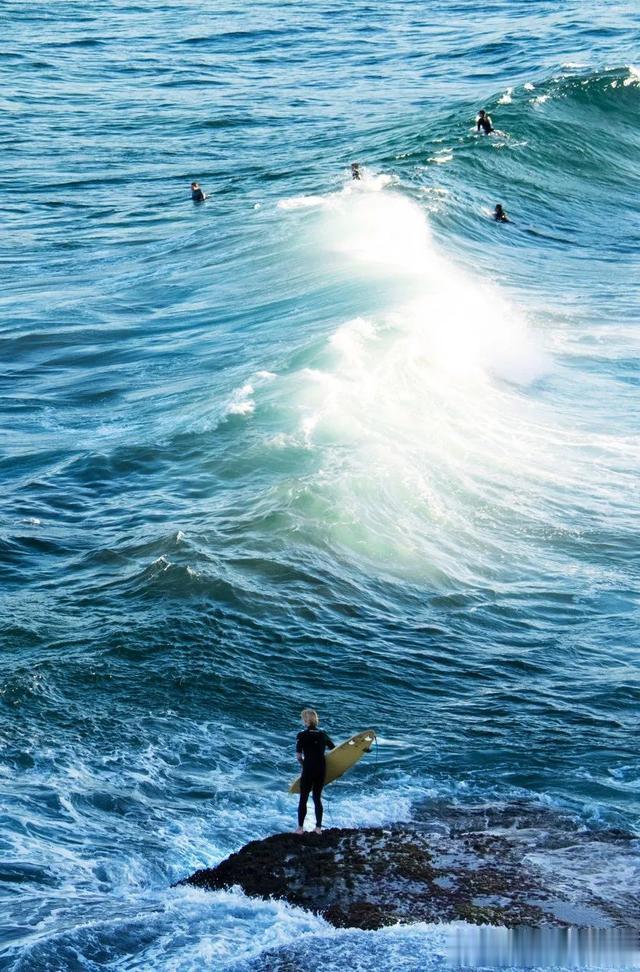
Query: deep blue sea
{"points": [[313, 442]]}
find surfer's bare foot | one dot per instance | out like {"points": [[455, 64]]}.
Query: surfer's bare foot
{"points": [[318, 830], [299, 830]]}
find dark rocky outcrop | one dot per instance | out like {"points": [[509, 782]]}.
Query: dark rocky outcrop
{"points": [[469, 869]]}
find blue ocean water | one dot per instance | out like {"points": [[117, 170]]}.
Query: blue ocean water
{"points": [[312, 442]]}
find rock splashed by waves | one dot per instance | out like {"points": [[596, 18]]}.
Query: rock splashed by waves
{"points": [[517, 866]]}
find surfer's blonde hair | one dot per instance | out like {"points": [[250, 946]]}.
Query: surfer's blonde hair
{"points": [[310, 717]]}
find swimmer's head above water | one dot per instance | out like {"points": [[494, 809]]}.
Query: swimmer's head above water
{"points": [[196, 192]]}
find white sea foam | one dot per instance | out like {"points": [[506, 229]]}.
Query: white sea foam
{"points": [[242, 402], [367, 183], [414, 409], [301, 202], [344, 806], [506, 98], [442, 158], [241, 407]]}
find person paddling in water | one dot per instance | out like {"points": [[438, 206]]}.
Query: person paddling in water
{"points": [[484, 122], [310, 749]]}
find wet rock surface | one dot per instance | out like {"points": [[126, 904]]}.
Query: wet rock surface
{"points": [[511, 867]]}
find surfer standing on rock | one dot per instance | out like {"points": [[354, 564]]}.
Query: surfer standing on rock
{"points": [[310, 749]]}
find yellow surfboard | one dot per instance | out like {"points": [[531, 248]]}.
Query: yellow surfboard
{"points": [[340, 759]]}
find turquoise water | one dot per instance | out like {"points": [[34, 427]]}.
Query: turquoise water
{"points": [[312, 442]]}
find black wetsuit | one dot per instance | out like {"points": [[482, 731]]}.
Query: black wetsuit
{"points": [[311, 743], [197, 195], [484, 123]]}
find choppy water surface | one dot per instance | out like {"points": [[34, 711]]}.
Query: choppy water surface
{"points": [[314, 441]]}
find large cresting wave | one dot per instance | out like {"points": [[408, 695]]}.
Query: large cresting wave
{"points": [[424, 409]]}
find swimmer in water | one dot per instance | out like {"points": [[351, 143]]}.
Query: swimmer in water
{"points": [[196, 192], [484, 122], [355, 170], [310, 747], [499, 214]]}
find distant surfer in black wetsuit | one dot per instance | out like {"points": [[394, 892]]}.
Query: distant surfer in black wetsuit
{"points": [[484, 122], [196, 192], [355, 170], [499, 214], [310, 748]]}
